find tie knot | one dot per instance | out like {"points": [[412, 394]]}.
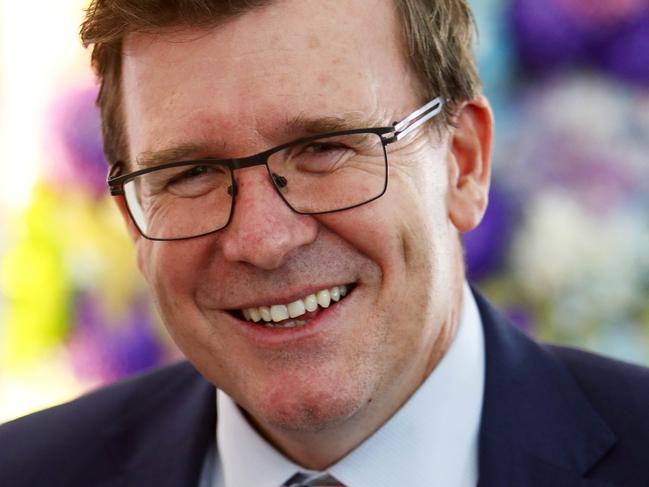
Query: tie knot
{"points": [[318, 480]]}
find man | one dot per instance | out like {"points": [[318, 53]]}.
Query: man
{"points": [[295, 176]]}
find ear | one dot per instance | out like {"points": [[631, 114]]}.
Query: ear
{"points": [[469, 167]]}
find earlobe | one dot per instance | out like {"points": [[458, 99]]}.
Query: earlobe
{"points": [[469, 162]]}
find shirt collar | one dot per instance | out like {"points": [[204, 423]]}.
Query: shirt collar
{"points": [[431, 440]]}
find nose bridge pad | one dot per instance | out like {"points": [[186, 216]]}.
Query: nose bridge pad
{"points": [[280, 181], [277, 183], [232, 189]]}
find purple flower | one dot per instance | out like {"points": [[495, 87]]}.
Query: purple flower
{"points": [[487, 246], [107, 351], [76, 135], [609, 35]]}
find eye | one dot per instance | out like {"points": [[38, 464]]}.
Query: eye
{"points": [[320, 147], [197, 180], [320, 157], [190, 173]]}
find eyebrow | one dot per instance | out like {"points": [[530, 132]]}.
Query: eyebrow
{"points": [[313, 126], [296, 127], [171, 154]]}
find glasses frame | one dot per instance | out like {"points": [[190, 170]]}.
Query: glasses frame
{"points": [[387, 135]]}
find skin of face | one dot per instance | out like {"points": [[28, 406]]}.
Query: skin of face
{"points": [[232, 91]]}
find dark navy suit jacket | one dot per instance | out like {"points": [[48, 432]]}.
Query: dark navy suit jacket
{"points": [[552, 417]]}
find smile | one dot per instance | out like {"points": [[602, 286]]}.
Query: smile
{"points": [[284, 315]]}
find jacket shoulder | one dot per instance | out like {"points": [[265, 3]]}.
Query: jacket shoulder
{"points": [[64, 437], [614, 386], [619, 391]]}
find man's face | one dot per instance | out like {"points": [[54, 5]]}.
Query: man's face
{"points": [[238, 89]]}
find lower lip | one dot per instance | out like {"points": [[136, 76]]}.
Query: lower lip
{"points": [[327, 319]]}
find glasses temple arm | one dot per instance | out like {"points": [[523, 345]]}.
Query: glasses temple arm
{"points": [[115, 171], [418, 117]]}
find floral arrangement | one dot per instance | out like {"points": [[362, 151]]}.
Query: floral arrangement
{"points": [[70, 279], [565, 243]]}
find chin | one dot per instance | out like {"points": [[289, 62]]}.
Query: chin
{"points": [[312, 405], [310, 415]]}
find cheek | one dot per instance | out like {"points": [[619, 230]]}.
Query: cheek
{"points": [[170, 268], [371, 231], [173, 271]]}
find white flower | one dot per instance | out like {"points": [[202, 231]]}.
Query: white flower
{"points": [[588, 266]]}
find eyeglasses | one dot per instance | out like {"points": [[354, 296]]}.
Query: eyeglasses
{"points": [[324, 173]]}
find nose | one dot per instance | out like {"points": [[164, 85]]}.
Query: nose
{"points": [[263, 230]]}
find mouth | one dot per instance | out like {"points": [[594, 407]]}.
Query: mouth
{"points": [[297, 313]]}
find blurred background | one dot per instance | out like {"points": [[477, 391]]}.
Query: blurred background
{"points": [[564, 248]]}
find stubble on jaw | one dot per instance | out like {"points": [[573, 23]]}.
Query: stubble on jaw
{"points": [[301, 429]]}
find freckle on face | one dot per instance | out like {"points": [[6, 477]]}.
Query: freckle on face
{"points": [[314, 42]]}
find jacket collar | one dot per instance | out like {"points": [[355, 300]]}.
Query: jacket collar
{"points": [[538, 428]]}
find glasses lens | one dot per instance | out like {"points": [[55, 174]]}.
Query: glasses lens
{"points": [[330, 173], [180, 202]]}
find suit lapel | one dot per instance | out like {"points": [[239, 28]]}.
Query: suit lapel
{"points": [[164, 439], [538, 428]]}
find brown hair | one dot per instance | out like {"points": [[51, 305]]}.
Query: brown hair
{"points": [[438, 34]]}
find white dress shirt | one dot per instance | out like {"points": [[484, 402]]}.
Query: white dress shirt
{"points": [[432, 440]]}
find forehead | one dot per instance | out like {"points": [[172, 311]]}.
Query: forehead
{"points": [[249, 77]]}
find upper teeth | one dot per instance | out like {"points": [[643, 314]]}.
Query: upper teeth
{"points": [[281, 312]]}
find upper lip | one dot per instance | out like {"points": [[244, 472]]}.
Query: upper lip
{"points": [[271, 299]]}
